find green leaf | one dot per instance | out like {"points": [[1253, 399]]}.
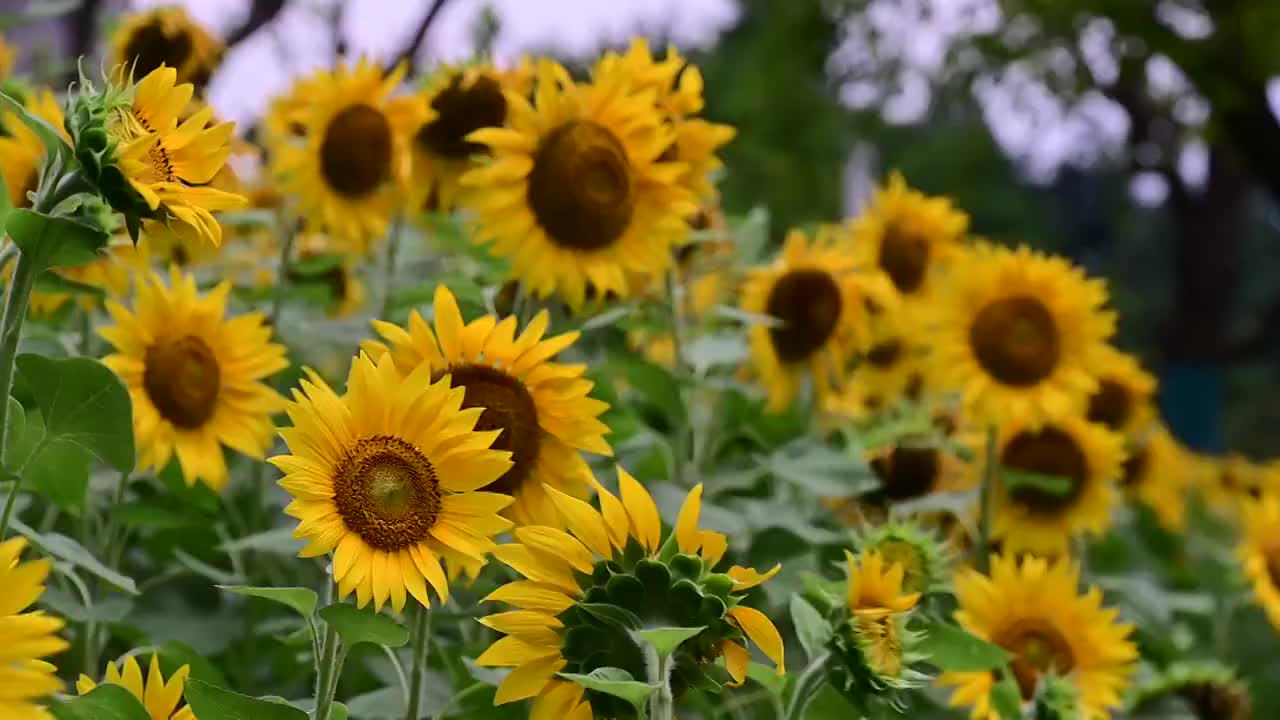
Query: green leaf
{"points": [[205, 570], [613, 615], [276, 542], [68, 550], [54, 241], [356, 626], [812, 629], [952, 649], [665, 639], [301, 599], [69, 606], [105, 702], [613, 681], [1006, 698], [60, 471], [83, 403], [50, 137], [210, 702], [714, 350], [822, 470], [1054, 485]]}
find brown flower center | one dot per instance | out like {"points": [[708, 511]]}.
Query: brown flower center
{"points": [[387, 492], [161, 164], [182, 380], [355, 154], [907, 472], [1016, 341], [1134, 466], [508, 407], [885, 355], [809, 303], [1049, 452], [904, 257], [150, 47], [461, 111], [1038, 647], [1110, 405], [581, 188]]}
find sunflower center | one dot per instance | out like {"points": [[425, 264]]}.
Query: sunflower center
{"points": [[387, 492], [906, 472], [182, 380], [150, 47], [355, 154], [508, 407], [808, 302], [914, 577], [880, 635], [1016, 341], [1134, 466], [461, 111], [1048, 452], [885, 355], [161, 164], [1038, 647], [904, 257], [1110, 405], [581, 188]]}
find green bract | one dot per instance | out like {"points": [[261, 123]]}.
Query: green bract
{"points": [[91, 117], [923, 558]]}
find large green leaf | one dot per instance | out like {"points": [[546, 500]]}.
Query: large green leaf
{"points": [[54, 468], [613, 681], [82, 403], [356, 626], [952, 649], [210, 702], [105, 702], [812, 629], [300, 599], [68, 550], [54, 241]]}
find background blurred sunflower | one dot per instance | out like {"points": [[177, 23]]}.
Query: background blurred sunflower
{"points": [[1123, 400], [28, 636], [1156, 474], [162, 698], [166, 36], [21, 151], [1259, 552]]}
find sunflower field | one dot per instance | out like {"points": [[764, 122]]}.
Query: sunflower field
{"points": [[456, 394]]}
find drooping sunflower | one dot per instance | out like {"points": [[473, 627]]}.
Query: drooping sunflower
{"points": [[386, 474], [1034, 610], [541, 409], [1259, 552], [166, 36], [909, 236], [29, 635], [22, 152], [1155, 474], [194, 376], [819, 300], [344, 152], [1055, 480], [162, 698], [615, 556], [464, 99], [1016, 333], [576, 194], [1122, 401]]}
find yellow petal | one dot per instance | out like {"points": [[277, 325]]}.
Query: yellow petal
{"points": [[736, 661], [583, 521], [646, 523], [762, 632], [528, 680], [531, 596], [746, 578], [510, 651], [687, 521]]}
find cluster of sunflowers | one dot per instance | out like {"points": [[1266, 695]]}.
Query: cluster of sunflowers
{"points": [[974, 425]]}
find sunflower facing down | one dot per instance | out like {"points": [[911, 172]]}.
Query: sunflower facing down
{"points": [[1056, 480], [576, 193], [541, 409], [161, 698], [614, 556], [1259, 552], [385, 475], [28, 636], [349, 158], [1034, 610], [166, 36], [1155, 474], [1017, 332], [1122, 401], [820, 301], [194, 376]]}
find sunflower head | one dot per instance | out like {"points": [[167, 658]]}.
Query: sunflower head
{"points": [[1212, 690], [1155, 473], [1122, 401], [162, 698], [29, 634], [166, 36], [1259, 552], [924, 560], [589, 591]]}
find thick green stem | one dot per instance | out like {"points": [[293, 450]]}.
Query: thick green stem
{"points": [[328, 667], [420, 642], [986, 499], [662, 703], [807, 687], [389, 272], [15, 311], [681, 451]]}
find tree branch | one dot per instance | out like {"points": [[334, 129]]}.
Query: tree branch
{"points": [[261, 12], [409, 53]]}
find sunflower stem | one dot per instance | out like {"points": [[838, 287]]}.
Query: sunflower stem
{"points": [[420, 642], [662, 703], [807, 687], [389, 272], [25, 270], [683, 445], [327, 668], [287, 233], [985, 510]]}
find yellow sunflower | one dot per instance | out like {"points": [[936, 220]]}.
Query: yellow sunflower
{"points": [[891, 371], [21, 150], [1123, 400], [909, 236], [166, 36], [875, 598], [1259, 552], [908, 471], [464, 99], [820, 302], [194, 375], [620, 543], [8, 57], [1155, 474], [1034, 610], [1228, 481], [344, 153], [28, 636], [1016, 333], [576, 194], [386, 474], [541, 409], [162, 698]]}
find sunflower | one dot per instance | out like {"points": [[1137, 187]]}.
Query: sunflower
{"points": [[541, 408], [22, 151], [1155, 474], [614, 556], [386, 474], [29, 636], [1033, 609], [1228, 481], [160, 697], [166, 36], [344, 153], [874, 645], [908, 235], [923, 558], [464, 99], [194, 376], [1259, 552], [576, 193], [1122, 401], [1055, 480], [8, 57], [1016, 332], [820, 302], [910, 470], [890, 372]]}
